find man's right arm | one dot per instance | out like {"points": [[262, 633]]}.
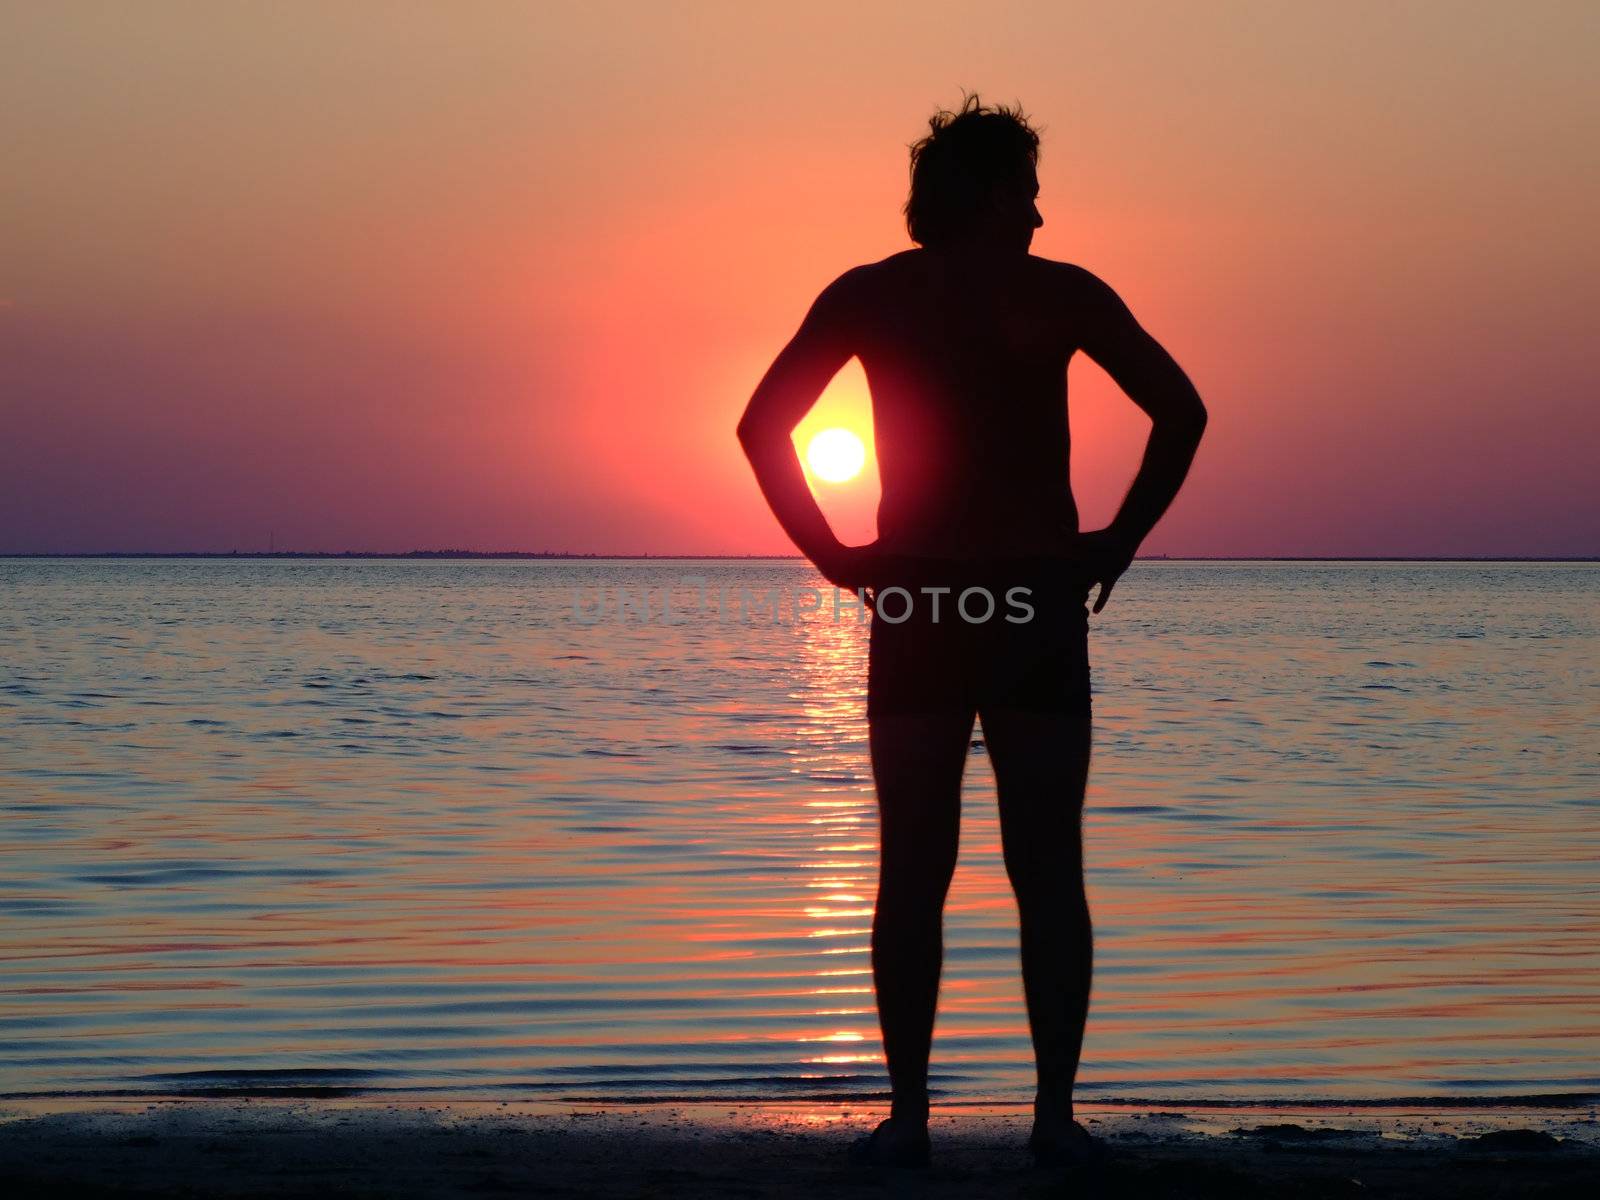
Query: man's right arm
{"points": [[1142, 368]]}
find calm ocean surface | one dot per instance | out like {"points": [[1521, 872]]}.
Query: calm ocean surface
{"points": [[410, 825]]}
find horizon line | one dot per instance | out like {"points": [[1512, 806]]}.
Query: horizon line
{"points": [[575, 555]]}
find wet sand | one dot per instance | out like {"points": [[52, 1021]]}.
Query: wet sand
{"points": [[381, 1148]]}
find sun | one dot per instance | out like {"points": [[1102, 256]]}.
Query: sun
{"points": [[836, 455]]}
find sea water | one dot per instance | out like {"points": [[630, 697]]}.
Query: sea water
{"points": [[454, 827]]}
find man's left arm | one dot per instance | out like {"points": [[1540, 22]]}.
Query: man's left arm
{"points": [[785, 394]]}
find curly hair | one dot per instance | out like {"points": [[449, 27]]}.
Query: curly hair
{"points": [[965, 154]]}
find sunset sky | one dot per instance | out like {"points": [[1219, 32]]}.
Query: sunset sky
{"points": [[384, 276]]}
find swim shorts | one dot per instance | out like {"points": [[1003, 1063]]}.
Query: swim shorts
{"points": [[963, 637]]}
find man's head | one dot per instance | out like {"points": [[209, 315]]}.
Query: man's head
{"points": [[974, 180]]}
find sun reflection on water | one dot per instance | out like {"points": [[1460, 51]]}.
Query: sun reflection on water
{"points": [[832, 762]]}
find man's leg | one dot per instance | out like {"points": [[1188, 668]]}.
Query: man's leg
{"points": [[916, 763], [1041, 766]]}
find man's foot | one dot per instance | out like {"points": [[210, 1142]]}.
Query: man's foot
{"points": [[1059, 1141], [896, 1142]]}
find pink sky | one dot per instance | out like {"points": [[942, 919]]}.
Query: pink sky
{"points": [[502, 277]]}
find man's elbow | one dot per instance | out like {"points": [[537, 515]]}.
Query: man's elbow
{"points": [[754, 434], [748, 432], [1180, 425], [752, 440], [1188, 419]]}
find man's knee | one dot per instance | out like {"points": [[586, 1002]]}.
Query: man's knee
{"points": [[1045, 880], [917, 885]]}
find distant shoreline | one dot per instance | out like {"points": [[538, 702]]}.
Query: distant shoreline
{"points": [[569, 556]]}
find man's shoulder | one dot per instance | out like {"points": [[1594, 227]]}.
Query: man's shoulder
{"points": [[1076, 286], [863, 288], [1064, 274], [858, 290], [869, 274]]}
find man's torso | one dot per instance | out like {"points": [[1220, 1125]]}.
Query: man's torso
{"points": [[967, 365]]}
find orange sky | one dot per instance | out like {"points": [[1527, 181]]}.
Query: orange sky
{"points": [[363, 276]]}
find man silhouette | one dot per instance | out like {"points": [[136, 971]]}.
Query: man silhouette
{"points": [[965, 343]]}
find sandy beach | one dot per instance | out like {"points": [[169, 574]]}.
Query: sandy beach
{"points": [[366, 1147]]}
